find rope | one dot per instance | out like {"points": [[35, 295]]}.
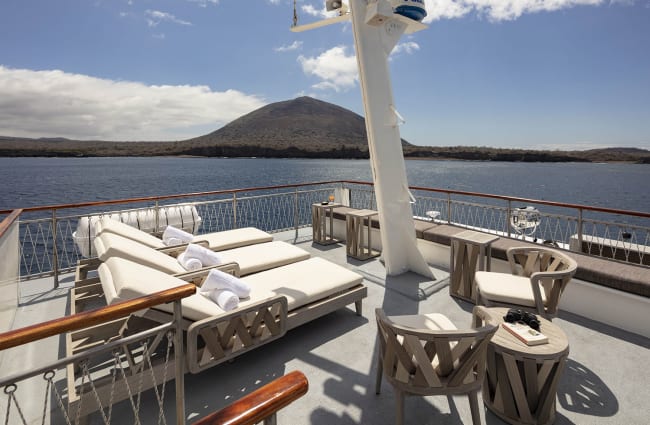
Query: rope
{"points": [[10, 390]]}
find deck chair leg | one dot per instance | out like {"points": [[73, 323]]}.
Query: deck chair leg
{"points": [[357, 306], [380, 371], [473, 407], [399, 398]]}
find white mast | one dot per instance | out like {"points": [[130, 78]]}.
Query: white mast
{"points": [[376, 31]]}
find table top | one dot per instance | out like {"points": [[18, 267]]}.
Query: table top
{"points": [[472, 236], [504, 341], [328, 205], [362, 213]]}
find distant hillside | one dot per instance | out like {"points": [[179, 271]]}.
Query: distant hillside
{"points": [[300, 128]]}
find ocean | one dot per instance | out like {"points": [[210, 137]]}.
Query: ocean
{"points": [[45, 181]]}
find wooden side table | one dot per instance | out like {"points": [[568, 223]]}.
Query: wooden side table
{"points": [[521, 381], [467, 248], [320, 233], [354, 244]]}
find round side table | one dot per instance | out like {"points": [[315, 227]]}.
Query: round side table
{"points": [[521, 381]]}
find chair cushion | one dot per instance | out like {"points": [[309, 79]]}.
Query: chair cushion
{"points": [[264, 256], [506, 288], [432, 321], [106, 224], [235, 238], [110, 245], [303, 282]]}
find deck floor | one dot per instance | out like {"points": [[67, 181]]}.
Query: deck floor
{"points": [[604, 381]]}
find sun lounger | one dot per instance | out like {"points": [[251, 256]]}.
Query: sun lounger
{"points": [[217, 241], [249, 259], [280, 299]]}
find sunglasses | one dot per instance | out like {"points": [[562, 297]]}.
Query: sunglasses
{"points": [[515, 315]]}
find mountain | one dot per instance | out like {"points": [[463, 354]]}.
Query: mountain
{"points": [[302, 125]]}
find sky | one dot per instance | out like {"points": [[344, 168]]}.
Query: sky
{"points": [[533, 74]]}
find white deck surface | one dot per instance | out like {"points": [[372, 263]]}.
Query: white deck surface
{"points": [[605, 380]]}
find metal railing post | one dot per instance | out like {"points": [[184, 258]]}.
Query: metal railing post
{"points": [[448, 208], [179, 364], [508, 215], [234, 210], [580, 229], [296, 218], [55, 256], [157, 216]]}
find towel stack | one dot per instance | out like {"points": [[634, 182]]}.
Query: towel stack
{"points": [[225, 289], [174, 236], [196, 257]]}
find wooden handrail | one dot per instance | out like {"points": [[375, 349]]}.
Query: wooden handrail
{"points": [[261, 403], [9, 220], [93, 317]]}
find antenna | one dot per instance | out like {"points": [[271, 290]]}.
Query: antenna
{"points": [[295, 14]]}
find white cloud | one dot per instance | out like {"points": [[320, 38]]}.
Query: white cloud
{"points": [[497, 10], [56, 103], [204, 3], [408, 47], [154, 17], [293, 46], [319, 13], [336, 69]]}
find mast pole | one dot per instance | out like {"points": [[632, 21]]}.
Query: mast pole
{"points": [[374, 40]]}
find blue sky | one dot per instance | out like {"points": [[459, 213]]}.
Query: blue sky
{"points": [[559, 74]]}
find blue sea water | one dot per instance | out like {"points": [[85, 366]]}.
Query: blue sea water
{"points": [[46, 181]]}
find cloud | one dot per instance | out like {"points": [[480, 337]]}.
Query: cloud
{"points": [[319, 13], [408, 47], [59, 104], [335, 67], [497, 10], [293, 46], [204, 3], [154, 17]]}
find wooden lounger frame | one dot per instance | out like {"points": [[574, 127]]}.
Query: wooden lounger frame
{"points": [[210, 341]]}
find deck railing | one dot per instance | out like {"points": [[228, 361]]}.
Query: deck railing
{"points": [[106, 382], [48, 245], [69, 400]]}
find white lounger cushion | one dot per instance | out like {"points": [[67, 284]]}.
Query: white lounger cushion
{"points": [[506, 288], [251, 259], [302, 283], [217, 241], [235, 238]]}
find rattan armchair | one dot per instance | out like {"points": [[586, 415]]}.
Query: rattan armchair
{"points": [[538, 278], [426, 355]]}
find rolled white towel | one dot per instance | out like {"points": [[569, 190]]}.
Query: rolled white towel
{"points": [[217, 280], [174, 236], [224, 299], [190, 264], [204, 255], [172, 241]]}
